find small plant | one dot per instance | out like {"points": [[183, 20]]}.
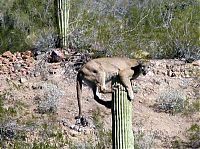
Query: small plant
{"points": [[104, 137], [178, 143], [52, 94], [144, 140], [170, 101], [2, 111], [191, 108], [9, 112], [194, 135], [46, 40], [193, 138]]}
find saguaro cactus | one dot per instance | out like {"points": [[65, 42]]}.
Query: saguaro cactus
{"points": [[122, 135], [63, 20]]}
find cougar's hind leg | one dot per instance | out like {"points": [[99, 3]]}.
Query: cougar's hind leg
{"points": [[79, 92], [102, 83], [99, 100]]}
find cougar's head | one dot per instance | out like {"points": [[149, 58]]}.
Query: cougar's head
{"points": [[144, 67]]}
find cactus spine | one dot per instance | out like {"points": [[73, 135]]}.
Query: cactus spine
{"points": [[122, 134]]}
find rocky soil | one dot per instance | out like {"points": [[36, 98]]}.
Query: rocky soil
{"points": [[162, 109]]}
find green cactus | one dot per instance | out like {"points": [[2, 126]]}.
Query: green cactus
{"points": [[122, 134], [63, 20]]}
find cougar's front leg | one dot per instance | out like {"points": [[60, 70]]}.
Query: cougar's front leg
{"points": [[125, 77]]}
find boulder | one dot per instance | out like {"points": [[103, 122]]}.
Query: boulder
{"points": [[196, 63], [1, 59], [22, 80], [27, 55], [4, 69], [18, 55], [57, 55], [5, 61], [7, 54]]}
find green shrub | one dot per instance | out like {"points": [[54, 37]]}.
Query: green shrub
{"points": [[194, 133], [20, 20], [52, 95], [191, 108], [164, 29]]}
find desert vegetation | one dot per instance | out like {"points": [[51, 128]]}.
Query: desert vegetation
{"points": [[156, 29]]}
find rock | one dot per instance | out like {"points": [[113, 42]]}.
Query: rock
{"points": [[29, 61], [26, 55], [4, 69], [13, 76], [34, 86], [36, 74], [16, 66], [7, 54], [196, 63], [65, 124], [87, 132], [55, 66], [22, 80], [1, 59], [56, 56], [23, 71], [74, 133], [80, 129], [52, 71], [72, 127], [40, 56], [18, 55], [29, 53], [5, 61], [13, 59]]}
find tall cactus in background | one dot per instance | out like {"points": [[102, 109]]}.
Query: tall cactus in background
{"points": [[63, 20], [122, 134]]}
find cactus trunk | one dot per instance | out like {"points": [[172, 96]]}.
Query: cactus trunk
{"points": [[63, 20], [122, 134]]}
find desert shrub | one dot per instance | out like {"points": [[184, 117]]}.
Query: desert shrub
{"points": [[21, 23], [43, 41], [144, 140], [192, 138], [191, 108], [52, 94], [49, 137], [164, 29], [170, 101], [18, 132], [193, 134], [1, 108], [104, 137], [9, 112]]}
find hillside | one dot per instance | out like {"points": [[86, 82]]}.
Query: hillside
{"points": [[38, 105]]}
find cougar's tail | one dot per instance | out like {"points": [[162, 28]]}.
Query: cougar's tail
{"points": [[79, 91]]}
